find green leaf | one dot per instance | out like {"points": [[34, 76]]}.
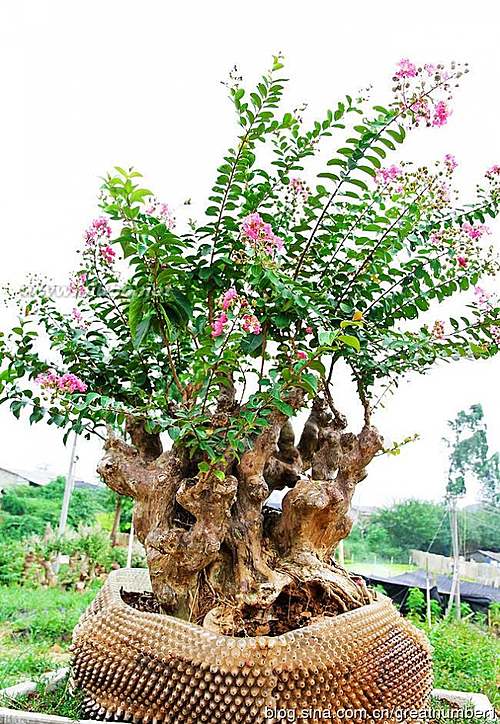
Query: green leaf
{"points": [[350, 341]]}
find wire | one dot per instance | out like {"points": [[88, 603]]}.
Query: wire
{"points": [[437, 531]]}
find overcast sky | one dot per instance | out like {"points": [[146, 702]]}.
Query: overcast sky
{"points": [[89, 85]]}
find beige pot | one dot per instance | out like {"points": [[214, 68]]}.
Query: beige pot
{"points": [[155, 668]]}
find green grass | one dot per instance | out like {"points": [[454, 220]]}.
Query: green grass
{"points": [[386, 570], [49, 700], [35, 630], [465, 658]]}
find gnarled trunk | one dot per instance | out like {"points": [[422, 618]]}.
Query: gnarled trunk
{"points": [[215, 553]]}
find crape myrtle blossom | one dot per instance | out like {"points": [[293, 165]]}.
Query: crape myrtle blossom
{"points": [[259, 234], [450, 162], [77, 284], [161, 211], [482, 296], [219, 325], [438, 330], [406, 69], [66, 383], [299, 189], [96, 238], [391, 173], [78, 318], [493, 171], [441, 114], [241, 313], [250, 323], [422, 94], [107, 253], [99, 229], [486, 302], [475, 232], [464, 247]]}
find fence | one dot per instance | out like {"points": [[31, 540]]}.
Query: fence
{"points": [[479, 572]]}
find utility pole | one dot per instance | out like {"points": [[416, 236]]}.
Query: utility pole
{"points": [[340, 553], [428, 592], [68, 488], [455, 588]]}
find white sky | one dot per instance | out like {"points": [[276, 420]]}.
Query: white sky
{"points": [[89, 85]]}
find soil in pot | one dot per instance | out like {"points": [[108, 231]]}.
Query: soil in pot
{"points": [[293, 609]]}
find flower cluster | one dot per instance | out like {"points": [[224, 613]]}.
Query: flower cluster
{"points": [[96, 238], [450, 162], [162, 212], [240, 312], [66, 383], [493, 171], [463, 247], [260, 236], [299, 189], [77, 284], [486, 302], [432, 188], [389, 175], [475, 232], [78, 318], [99, 229], [438, 330], [422, 94]]}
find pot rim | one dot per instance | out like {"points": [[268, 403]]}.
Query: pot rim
{"points": [[139, 581]]}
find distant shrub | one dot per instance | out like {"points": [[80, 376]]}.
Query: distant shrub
{"points": [[11, 563]]}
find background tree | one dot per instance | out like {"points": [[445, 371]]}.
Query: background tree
{"points": [[219, 334], [469, 455]]}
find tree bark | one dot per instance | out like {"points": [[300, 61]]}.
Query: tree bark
{"points": [[209, 553]]}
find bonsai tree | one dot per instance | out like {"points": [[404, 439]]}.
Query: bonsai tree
{"points": [[217, 335]]}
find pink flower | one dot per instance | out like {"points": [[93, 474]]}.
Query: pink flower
{"points": [[420, 109], [406, 69], [252, 226], [301, 355], [77, 316], [309, 330], [77, 284], [475, 232], [430, 68], [98, 229], [495, 333], [47, 380], [274, 243], [108, 254], [71, 383], [462, 261], [438, 329], [250, 323], [482, 295], [384, 175], [228, 298], [256, 230], [299, 188], [66, 383], [441, 114], [493, 171], [450, 162], [218, 327], [162, 212]]}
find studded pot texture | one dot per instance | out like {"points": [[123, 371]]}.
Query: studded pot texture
{"points": [[149, 667]]}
